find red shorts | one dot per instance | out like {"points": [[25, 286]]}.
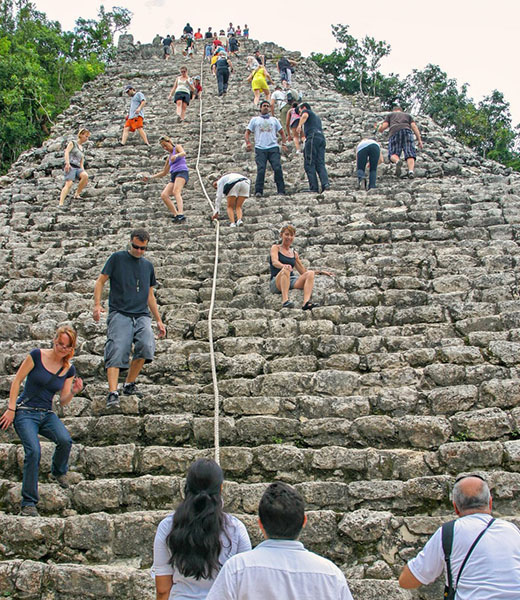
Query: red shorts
{"points": [[135, 123]]}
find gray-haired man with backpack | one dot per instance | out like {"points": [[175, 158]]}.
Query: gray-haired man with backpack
{"points": [[481, 555]]}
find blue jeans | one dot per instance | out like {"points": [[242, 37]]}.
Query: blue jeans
{"points": [[273, 156], [370, 153], [222, 80], [28, 425], [314, 161]]}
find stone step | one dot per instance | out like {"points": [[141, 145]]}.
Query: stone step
{"points": [[27, 578], [336, 477]]}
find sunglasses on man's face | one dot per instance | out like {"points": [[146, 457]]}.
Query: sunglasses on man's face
{"points": [[143, 248]]}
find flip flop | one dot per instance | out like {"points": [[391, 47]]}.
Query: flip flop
{"points": [[309, 305]]}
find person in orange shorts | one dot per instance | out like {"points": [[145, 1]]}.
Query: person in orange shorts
{"points": [[134, 120]]}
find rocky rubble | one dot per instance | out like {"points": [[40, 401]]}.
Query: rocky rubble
{"points": [[406, 375]]}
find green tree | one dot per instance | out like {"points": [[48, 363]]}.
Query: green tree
{"points": [[93, 37], [40, 68]]}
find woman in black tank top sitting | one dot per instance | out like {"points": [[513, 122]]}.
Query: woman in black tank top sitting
{"points": [[284, 261]]}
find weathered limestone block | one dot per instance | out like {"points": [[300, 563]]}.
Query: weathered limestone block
{"points": [[266, 429], [451, 399], [252, 406], [98, 495], [508, 353], [424, 431], [374, 430], [460, 456], [365, 525], [168, 429], [483, 424]]}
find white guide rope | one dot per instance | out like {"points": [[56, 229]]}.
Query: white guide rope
{"points": [[213, 290]]}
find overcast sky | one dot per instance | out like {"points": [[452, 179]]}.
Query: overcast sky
{"points": [[475, 42]]}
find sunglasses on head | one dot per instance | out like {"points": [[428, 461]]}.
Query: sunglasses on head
{"points": [[461, 477], [138, 247]]}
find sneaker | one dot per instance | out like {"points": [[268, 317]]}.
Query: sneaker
{"points": [[398, 166], [232, 224], [181, 218], [29, 511], [240, 222], [411, 174], [61, 480], [113, 400], [326, 188], [258, 195], [130, 389], [362, 184]]}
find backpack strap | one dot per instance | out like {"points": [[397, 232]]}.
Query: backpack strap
{"points": [[491, 521], [447, 544]]}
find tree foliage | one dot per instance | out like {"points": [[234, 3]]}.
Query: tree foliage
{"points": [[486, 127], [41, 66]]}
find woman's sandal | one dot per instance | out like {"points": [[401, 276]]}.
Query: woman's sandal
{"points": [[288, 304], [309, 305]]}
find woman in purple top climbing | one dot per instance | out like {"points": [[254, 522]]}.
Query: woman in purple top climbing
{"points": [[176, 166]]}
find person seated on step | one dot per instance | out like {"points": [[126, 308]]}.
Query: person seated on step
{"points": [[401, 130], [43, 373], [74, 162], [176, 166], [131, 299], [280, 568], [283, 262], [235, 187], [368, 150], [193, 543], [181, 92]]}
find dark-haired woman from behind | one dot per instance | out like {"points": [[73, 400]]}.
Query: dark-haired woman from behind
{"points": [[193, 543]]}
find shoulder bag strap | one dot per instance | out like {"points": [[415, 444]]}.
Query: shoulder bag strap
{"points": [[472, 548], [447, 544]]}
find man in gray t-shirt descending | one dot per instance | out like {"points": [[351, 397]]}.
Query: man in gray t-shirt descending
{"points": [[131, 299], [134, 120], [401, 129]]}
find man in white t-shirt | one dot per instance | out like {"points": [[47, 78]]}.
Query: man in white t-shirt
{"points": [[280, 567], [265, 128], [492, 571]]}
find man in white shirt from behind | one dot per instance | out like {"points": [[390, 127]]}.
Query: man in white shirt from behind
{"points": [[280, 568], [492, 571]]}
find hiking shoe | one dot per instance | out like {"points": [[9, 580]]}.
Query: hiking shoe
{"points": [[288, 304], [29, 511], [240, 222], [258, 195], [130, 389], [232, 224], [113, 400], [181, 218], [398, 166], [411, 174], [61, 480]]}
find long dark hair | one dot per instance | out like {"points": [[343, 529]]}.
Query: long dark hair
{"points": [[194, 540]]}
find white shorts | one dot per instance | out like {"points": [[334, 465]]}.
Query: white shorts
{"points": [[241, 188]]}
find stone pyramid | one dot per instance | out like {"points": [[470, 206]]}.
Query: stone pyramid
{"points": [[405, 376]]}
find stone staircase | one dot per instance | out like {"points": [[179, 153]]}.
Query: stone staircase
{"points": [[404, 376]]}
